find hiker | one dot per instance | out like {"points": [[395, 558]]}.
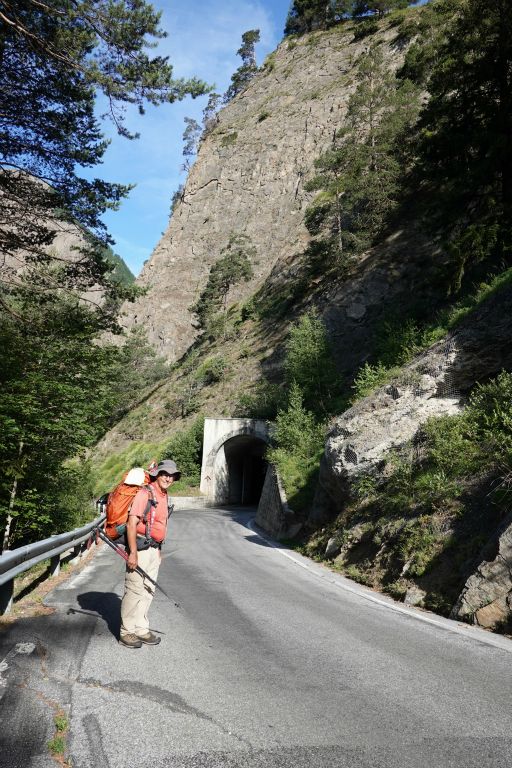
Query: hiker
{"points": [[145, 533]]}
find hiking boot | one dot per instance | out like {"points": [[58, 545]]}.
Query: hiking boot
{"points": [[130, 641], [149, 638]]}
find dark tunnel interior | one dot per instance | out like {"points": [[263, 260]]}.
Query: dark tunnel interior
{"points": [[246, 467]]}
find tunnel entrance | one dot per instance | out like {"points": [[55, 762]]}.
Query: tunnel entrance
{"points": [[234, 467], [246, 468]]}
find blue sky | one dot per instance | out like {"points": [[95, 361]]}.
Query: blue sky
{"points": [[203, 37]]}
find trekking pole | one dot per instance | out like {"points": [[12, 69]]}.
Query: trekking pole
{"points": [[138, 569]]}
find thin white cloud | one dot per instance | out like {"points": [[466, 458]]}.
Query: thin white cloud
{"points": [[204, 37]]}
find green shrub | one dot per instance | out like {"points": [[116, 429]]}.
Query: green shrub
{"points": [[186, 449], [490, 413], [211, 371], [309, 363], [296, 429], [61, 722], [418, 543], [299, 442], [365, 488], [261, 403], [397, 589], [57, 745], [365, 28], [368, 378], [449, 446], [356, 574], [269, 63]]}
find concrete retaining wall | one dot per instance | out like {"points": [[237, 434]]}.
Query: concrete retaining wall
{"points": [[273, 514]]}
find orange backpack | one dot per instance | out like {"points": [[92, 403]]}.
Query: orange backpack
{"points": [[120, 501]]}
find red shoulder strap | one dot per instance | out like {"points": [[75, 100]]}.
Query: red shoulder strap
{"points": [[148, 518]]}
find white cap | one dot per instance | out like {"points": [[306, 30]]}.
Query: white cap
{"points": [[135, 476]]}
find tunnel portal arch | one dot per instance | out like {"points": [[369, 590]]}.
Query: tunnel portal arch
{"points": [[234, 466]]}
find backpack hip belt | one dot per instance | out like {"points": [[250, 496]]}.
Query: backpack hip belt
{"points": [[143, 543]]}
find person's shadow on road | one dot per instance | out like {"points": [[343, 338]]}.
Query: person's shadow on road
{"points": [[106, 604]]}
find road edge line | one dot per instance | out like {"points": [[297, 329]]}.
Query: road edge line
{"points": [[449, 625]]}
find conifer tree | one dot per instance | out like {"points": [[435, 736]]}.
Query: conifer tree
{"points": [[210, 113], [58, 385], [309, 363], [307, 15], [378, 7], [191, 138], [358, 176], [465, 136], [233, 266], [55, 58], [244, 74]]}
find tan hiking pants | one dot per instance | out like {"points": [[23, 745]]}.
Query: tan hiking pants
{"points": [[138, 594]]}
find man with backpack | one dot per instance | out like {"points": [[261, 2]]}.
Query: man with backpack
{"points": [[146, 529]]}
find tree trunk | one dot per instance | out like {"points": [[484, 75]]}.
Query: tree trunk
{"points": [[12, 499]]}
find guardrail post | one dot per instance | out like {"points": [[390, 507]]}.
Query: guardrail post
{"points": [[55, 565], [6, 596]]}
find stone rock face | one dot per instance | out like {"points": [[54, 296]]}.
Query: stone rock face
{"points": [[249, 179], [67, 245], [432, 385], [487, 595], [414, 596], [333, 548]]}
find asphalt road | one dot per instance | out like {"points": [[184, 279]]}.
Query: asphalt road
{"points": [[270, 661]]}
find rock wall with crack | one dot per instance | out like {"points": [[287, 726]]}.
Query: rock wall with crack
{"points": [[486, 599]]}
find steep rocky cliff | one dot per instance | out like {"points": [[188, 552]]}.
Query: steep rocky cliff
{"points": [[249, 179]]}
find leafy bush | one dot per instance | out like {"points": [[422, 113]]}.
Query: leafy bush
{"points": [[490, 414]]}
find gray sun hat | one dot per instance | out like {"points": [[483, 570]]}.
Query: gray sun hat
{"points": [[169, 466]]}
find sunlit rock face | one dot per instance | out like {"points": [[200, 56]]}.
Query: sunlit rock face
{"points": [[434, 384], [486, 598], [249, 179]]}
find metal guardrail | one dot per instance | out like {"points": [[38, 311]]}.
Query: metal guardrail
{"points": [[15, 562]]}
